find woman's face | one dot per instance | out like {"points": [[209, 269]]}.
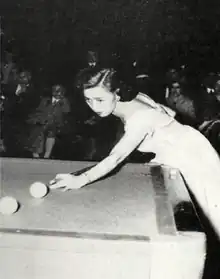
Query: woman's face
{"points": [[100, 100]]}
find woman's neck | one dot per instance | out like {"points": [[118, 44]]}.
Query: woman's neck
{"points": [[124, 110]]}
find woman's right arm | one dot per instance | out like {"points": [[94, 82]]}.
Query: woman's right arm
{"points": [[135, 132]]}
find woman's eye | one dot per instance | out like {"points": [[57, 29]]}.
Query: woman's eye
{"points": [[99, 100], [89, 101]]}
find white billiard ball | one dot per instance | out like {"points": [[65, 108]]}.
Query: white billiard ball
{"points": [[38, 190], [8, 205]]}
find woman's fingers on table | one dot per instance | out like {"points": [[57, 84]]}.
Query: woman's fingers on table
{"points": [[61, 176], [59, 184], [59, 180], [65, 189], [62, 181]]}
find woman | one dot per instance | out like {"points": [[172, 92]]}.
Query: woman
{"points": [[149, 127]]}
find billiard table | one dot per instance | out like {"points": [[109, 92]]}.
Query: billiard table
{"points": [[124, 226]]}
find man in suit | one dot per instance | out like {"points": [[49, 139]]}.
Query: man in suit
{"points": [[20, 97], [49, 120], [210, 116]]}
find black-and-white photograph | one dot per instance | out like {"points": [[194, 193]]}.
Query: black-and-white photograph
{"points": [[109, 139]]}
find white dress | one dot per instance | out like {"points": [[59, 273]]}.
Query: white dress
{"points": [[152, 128], [182, 147]]}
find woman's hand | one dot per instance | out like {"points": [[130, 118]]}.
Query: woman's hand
{"points": [[68, 181]]}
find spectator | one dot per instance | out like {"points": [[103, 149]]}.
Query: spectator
{"points": [[19, 97], [172, 75], [8, 69], [141, 76], [89, 120], [210, 122], [182, 104], [92, 58], [48, 122], [208, 82]]}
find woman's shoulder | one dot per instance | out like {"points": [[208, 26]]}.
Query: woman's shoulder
{"points": [[147, 118], [139, 118], [146, 100]]}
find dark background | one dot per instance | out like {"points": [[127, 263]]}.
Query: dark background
{"points": [[53, 36]]}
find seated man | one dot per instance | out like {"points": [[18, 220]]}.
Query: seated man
{"points": [[48, 120], [210, 125], [8, 69], [181, 103], [19, 98]]}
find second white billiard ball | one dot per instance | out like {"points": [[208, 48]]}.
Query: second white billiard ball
{"points": [[38, 190]]}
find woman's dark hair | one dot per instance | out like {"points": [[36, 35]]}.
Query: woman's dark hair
{"points": [[106, 77]]}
